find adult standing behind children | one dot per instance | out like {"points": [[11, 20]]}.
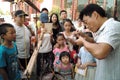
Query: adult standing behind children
{"points": [[45, 51], [22, 37], [63, 16], [106, 47], [9, 65], [44, 15], [56, 26]]}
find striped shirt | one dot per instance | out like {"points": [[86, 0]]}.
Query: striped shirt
{"points": [[109, 67]]}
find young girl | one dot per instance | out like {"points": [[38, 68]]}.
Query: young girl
{"points": [[61, 46], [86, 60], [70, 37], [65, 67], [8, 54]]}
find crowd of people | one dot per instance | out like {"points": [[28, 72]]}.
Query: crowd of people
{"points": [[93, 47]]}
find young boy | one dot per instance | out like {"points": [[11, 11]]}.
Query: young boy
{"points": [[8, 54]]}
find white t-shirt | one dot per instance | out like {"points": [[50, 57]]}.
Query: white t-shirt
{"points": [[22, 41], [32, 25], [46, 45], [69, 43]]}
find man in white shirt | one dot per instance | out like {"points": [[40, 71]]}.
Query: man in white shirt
{"points": [[106, 45], [22, 37]]}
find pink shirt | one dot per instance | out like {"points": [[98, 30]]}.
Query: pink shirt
{"points": [[57, 52]]}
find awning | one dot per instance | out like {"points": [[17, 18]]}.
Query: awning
{"points": [[29, 3], [32, 5]]}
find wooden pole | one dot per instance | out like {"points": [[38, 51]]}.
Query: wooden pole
{"points": [[104, 4], [29, 69], [115, 9]]}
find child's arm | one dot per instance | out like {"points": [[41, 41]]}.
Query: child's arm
{"points": [[57, 68], [78, 62], [71, 41], [93, 64], [56, 46], [43, 30], [51, 37], [3, 73]]}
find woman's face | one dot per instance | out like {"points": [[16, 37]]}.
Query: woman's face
{"points": [[54, 18]]}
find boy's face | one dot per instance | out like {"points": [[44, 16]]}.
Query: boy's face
{"points": [[20, 19], [63, 15], [10, 35]]}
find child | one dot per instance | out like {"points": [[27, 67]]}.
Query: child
{"points": [[65, 67], [70, 38], [61, 46], [86, 60], [8, 54]]}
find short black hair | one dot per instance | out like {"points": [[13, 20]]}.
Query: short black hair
{"points": [[64, 53], [60, 34], [89, 34], [3, 28], [44, 9], [63, 11], [20, 13], [90, 8]]}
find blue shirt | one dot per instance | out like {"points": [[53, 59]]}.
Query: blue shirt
{"points": [[85, 56], [9, 61]]}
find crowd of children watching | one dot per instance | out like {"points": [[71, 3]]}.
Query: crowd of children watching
{"points": [[58, 47]]}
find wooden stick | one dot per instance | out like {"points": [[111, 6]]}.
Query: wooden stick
{"points": [[28, 70]]}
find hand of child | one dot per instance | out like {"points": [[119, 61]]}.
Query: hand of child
{"points": [[74, 56], [83, 66], [77, 65], [56, 45]]}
